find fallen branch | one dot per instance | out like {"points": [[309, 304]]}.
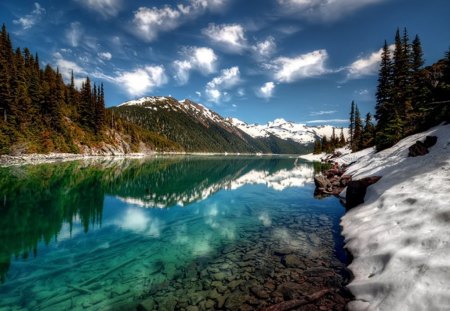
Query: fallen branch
{"points": [[291, 304]]}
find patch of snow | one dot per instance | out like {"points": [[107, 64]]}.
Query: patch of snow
{"points": [[144, 100], [400, 236]]}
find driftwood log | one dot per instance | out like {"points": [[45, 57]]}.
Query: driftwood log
{"points": [[291, 304]]}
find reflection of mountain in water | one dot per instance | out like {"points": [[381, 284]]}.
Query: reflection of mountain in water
{"points": [[37, 200]]}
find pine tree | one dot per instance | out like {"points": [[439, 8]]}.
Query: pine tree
{"points": [[384, 89], [368, 135], [357, 133], [342, 141], [317, 147], [420, 91], [351, 127]]}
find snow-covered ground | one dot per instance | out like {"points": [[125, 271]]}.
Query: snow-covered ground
{"points": [[400, 236]]}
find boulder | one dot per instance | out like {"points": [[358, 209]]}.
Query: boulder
{"points": [[322, 182], [430, 141], [418, 149], [356, 190]]}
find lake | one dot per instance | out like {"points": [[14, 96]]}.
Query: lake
{"points": [[168, 233]]}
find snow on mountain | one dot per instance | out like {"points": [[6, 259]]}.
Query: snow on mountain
{"points": [[283, 129], [169, 103], [280, 128], [400, 235]]}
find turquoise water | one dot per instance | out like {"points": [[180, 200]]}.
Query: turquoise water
{"points": [[171, 233]]}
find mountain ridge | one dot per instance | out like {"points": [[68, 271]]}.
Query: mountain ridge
{"points": [[200, 129]]}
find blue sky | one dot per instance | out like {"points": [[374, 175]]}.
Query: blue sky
{"points": [[257, 60]]}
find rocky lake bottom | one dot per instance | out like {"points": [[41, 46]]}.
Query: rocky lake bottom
{"points": [[169, 234]]}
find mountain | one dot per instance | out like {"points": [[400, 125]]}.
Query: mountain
{"points": [[283, 129], [199, 129]]}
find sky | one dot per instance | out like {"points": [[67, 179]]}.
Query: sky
{"points": [[256, 60]]}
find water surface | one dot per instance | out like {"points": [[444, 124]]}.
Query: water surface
{"points": [[171, 233]]}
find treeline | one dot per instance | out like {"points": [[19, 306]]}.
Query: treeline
{"points": [[409, 98], [38, 110], [328, 145]]}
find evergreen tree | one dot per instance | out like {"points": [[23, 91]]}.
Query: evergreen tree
{"points": [[351, 127], [384, 89], [357, 133], [342, 141], [368, 135], [317, 147]]}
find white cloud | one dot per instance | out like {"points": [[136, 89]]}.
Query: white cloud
{"points": [[328, 121], [182, 70], [31, 19], [307, 65], [66, 67], [265, 49], [149, 22], [74, 33], [105, 55], [229, 36], [215, 88], [201, 59], [141, 80], [323, 10], [266, 91], [322, 112], [107, 8], [366, 66]]}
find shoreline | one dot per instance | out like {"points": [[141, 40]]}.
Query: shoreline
{"points": [[54, 157], [398, 239]]}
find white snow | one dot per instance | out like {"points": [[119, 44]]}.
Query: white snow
{"points": [[144, 100], [400, 236]]}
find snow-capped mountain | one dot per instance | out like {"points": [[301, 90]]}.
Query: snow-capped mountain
{"points": [[199, 129], [283, 129]]}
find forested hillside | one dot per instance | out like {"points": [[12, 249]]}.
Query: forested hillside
{"points": [[198, 129], [40, 113]]}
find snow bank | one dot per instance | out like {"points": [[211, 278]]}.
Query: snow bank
{"points": [[400, 236]]}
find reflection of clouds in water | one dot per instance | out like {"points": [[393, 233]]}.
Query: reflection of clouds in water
{"points": [[283, 237], [202, 246], [280, 180], [265, 219], [136, 220], [214, 217], [181, 235], [68, 232]]}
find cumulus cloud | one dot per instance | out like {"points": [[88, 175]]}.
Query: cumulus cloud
{"points": [[323, 10], [229, 36], [141, 80], [150, 22], [66, 67], [106, 8], [202, 59], [366, 66], [266, 91], [105, 55], [74, 33], [307, 65], [29, 20], [227, 79], [265, 49]]}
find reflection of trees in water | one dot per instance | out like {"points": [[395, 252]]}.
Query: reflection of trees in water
{"points": [[36, 200]]}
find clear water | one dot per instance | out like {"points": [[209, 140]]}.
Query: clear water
{"points": [[175, 233]]}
